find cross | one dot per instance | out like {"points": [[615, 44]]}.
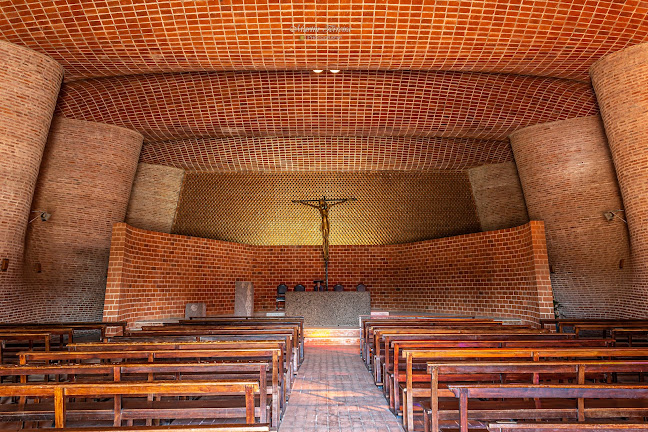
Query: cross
{"points": [[323, 205]]}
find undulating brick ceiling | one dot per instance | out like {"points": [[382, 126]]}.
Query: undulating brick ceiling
{"points": [[195, 76]]}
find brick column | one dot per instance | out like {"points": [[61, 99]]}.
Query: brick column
{"points": [[85, 183], [29, 86], [621, 84], [568, 181]]}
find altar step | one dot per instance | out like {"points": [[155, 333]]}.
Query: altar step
{"points": [[331, 336]]}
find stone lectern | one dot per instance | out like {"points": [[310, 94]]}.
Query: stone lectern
{"points": [[244, 298]]}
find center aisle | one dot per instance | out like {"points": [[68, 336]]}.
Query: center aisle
{"points": [[334, 391]]}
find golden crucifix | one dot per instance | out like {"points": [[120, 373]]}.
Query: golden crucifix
{"points": [[323, 205]]}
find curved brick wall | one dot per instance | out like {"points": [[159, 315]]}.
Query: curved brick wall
{"points": [[29, 86], [498, 273], [85, 183], [569, 182], [621, 84]]}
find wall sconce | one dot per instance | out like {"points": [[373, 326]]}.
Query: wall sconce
{"points": [[4, 264], [621, 263], [610, 215]]}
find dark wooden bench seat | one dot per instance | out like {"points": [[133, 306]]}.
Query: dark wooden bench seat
{"points": [[567, 427], [506, 354], [127, 401], [190, 345], [599, 401], [395, 374], [374, 343], [230, 427], [430, 398], [200, 333], [102, 326], [259, 371], [233, 320]]}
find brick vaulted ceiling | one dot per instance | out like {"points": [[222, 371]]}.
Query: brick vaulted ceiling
{"points": [[215, 85]]}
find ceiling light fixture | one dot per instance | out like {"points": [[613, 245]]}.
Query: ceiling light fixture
{"points": [[318, 70], [334, 70]]}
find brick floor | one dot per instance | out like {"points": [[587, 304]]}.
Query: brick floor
{"points": [[335, 392]]}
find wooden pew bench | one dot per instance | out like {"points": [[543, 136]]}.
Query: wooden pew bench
{"points": [[173, 428], [367, 326], [30, 339], [487, 354], [272, 355], [391, 343], [395, 374], [259, 371], [371, 328], [299, 321], [101, 326], [605, 401], [201, 334], [567, 427], [374, 345], [129, 401], [438, 407]]}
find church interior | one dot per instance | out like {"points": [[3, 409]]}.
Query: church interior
{"points": [[335, 215]]}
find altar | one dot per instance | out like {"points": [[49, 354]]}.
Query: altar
{"points": [[328, 308]]}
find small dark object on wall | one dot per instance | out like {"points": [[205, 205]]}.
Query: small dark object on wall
{"points": [[621, 263], [4, 264], [300, 287], [338, 287], [361, 287], [38, 268]]}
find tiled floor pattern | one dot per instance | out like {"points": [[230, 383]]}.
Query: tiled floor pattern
{"points": [[334, 391]]}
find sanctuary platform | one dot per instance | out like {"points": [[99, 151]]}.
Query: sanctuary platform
{"points": [[328, 308]]}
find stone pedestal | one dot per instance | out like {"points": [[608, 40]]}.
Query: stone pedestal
{"points": [[243, 298]]}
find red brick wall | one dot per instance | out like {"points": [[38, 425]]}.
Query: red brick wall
{"points": [[85, 181], [621, 84], [29, 85], [153, 275], [569, 182], [500, 273]]}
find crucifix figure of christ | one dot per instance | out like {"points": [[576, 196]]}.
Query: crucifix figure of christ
{"points": [[323, 205]]}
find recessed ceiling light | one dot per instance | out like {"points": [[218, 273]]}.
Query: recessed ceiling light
{"points": [[318, 70], [335, 70]]}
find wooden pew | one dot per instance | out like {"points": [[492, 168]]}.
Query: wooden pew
{"points": [[74, 325], [154, 331], [373, 348], [162, 345], [567, 427], [563, 323], [368, 319], [580, 392], [390, 342], [60, 392], [29, 337], [376, 332], [526, 354], [270, 354], [367, 331], [153, 371], [173, 428], [394, 376], [59, 332], [238, 319], [385, 337], [533, 372]]}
